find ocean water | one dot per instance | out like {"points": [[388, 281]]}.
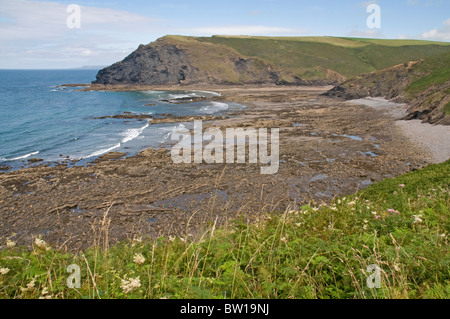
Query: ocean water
{"points": [[40, 120]]}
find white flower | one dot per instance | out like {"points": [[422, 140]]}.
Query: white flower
{"points": [[298, 224], [417, 219], [30, 285], [39, 243], [44, 291], [4, 271], [137, 239], [10, 244], [284, 240], [139, 259], [333, 208], [131, 284], [172, 238]]}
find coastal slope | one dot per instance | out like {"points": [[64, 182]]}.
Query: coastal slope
{"points": [[180, 60], [424, 85]]}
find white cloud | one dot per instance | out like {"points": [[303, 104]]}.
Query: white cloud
{"points": [[33, 32], [247, 30], [442, 34]]}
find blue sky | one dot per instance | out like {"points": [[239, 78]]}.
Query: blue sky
{"points": [[34, 34]]}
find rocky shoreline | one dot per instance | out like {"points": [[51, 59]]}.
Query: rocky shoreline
{"points": [[328, 148]]}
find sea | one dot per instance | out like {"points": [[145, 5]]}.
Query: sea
{"points": [[41, 119]]}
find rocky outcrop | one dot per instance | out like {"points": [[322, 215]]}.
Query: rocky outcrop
{"points": [[153, 64], [171, 62], [420, 84]]}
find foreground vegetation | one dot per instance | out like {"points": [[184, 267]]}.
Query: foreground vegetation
{"points": [[324, 251]]}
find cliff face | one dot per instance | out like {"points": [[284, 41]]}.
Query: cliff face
{"points": [[170, 62], [157, 64]]}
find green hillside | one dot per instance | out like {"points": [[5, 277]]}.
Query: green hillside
{"points": [[181, 60], [309, 58]]}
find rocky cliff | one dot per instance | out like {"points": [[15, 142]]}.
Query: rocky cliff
{"points": [[424, 85], [168, 61]]}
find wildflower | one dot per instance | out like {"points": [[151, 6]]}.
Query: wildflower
{"points": [[395, 193], [377, 217], [30, 285], [4, 271], [298, 224], [137, 239], [339, 201], [315, 209], [393, 211], [333, 208], [284, 240], [10, 244], [172, 238], [39, 243], [401, 185], [131, 284], [397, 267], [352, 203], [44, 291], [417, 219], [374, 213], [139, 259]]}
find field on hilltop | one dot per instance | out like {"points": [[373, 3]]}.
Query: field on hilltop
{"points": [[310, 58]]}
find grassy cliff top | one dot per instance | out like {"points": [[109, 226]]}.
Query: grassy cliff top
{"points": [[312, 58]]}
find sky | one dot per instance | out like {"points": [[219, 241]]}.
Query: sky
{"points": [[37, 35]]}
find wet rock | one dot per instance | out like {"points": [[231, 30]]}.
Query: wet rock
{"points": [[35, 160]]}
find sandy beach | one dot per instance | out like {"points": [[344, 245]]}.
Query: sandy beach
{"points": [[433, 139]]}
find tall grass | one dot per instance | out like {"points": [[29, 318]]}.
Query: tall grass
{"points": [[400, 224]]}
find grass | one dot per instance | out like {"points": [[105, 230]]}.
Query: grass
{"points": [[447, 108], [436, 70], [304, 56], [396, 42], [400, 224]]}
